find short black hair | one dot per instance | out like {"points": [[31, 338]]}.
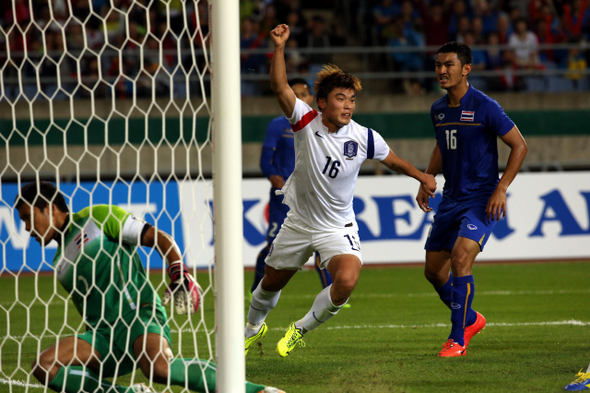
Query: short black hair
{"points": [[299, 81], [463, 51], [40, 194]]}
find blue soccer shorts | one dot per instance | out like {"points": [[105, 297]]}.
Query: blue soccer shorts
{"points": [[454, 219], [277, 212]]}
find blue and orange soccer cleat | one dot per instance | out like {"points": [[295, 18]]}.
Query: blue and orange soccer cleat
{"points": [[473, 329], [582, 382], [452, 349]]}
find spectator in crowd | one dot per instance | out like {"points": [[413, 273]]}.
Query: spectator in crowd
{"points": [[251, 63], [503, 28], [318, 37], [410, 15], [269, 19], [577, 65], [515, 14], [508, 76], [293, 57], [525, 45], [406, 37], [436, 22], [459, 10], [493, 54], [484, 10], [297, 24], [494, 62], [383, 14], [573, 18], [548, 31], [478, 63], [478, 30], [463, 26]]}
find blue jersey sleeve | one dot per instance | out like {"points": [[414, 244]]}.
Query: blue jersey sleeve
{"points": [[497, 120], [266, 162], [270, 144]]}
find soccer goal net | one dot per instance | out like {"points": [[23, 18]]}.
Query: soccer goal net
{"points": [[108, 100]]}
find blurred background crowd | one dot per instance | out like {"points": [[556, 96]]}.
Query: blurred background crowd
{"points": [[124, 48]]}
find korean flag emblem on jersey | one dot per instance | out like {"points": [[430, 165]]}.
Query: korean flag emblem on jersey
{"points": [[350, 149]]}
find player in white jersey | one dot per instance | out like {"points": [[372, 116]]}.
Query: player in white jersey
{"points": [[330, 149]]}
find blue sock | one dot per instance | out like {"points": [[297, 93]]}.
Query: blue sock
{"points": [[325, 276], [461, 312], [446, 291], [260, 265]]}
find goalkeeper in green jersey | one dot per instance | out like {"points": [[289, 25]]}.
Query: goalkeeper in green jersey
{"points": [[97, 263]]}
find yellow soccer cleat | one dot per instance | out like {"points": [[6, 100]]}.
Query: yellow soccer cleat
{"points": [[293, 337], [261, 333]]}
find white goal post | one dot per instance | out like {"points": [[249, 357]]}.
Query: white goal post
{"points": [[227, 196]]}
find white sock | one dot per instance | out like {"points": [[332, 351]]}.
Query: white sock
{"points": [[321, 310], [588, 370], [261, 304]]}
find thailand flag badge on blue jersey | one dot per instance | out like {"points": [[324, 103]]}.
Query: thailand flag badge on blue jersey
{"points": [[467, 115]]}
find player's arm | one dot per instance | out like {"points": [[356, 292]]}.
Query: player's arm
{"points": [[268, 168], [496, 207], [267, 157], [163, 243], [427, 182], [434, 167], [278, 72], [183, 288]]}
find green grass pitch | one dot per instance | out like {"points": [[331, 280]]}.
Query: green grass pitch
{"points": [[537, 337]]}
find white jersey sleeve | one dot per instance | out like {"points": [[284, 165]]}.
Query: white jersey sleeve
{"points": [[132, 230]]}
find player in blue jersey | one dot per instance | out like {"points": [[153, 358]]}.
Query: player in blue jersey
{"points": [[277, 162], [467, 125], [126, 322]]}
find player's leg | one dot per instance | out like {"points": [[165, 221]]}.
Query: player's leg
{"points": [[277, 212], [154, 358], [266, 295], [437, 271], [288, 253], [345, 270], [72, 365], [462, 315], [260, 266], [325, 276], [440, 242]]}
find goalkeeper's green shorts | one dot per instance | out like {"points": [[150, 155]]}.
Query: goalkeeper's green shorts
{"points": [[117, 359]]}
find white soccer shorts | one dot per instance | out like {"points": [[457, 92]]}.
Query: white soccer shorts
{"points": [[296, 243]]}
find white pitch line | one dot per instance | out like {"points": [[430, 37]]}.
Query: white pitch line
{"points": [[571, 322], [4, 381], [7, 304]]}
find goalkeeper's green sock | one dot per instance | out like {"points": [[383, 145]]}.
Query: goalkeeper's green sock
{"points": [[200, 373], [74, 379]]}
